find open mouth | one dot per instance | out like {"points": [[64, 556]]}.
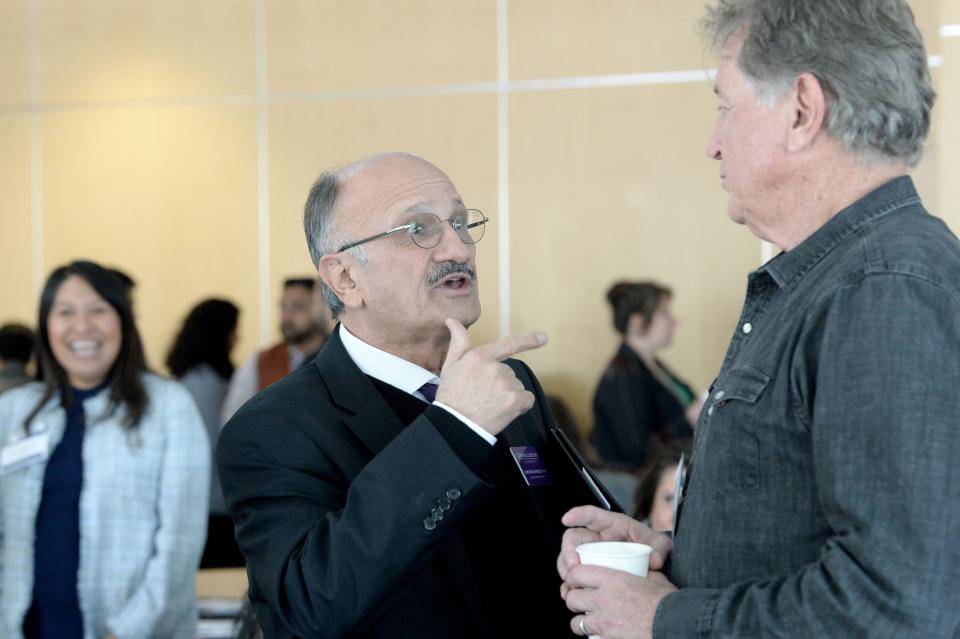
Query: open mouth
{"points": [[455, 282], [84, 348]]}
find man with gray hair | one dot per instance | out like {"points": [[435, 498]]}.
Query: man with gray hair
{"points": [[823, 496], [401, 485]]}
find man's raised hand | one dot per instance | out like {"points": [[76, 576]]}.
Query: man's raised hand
{"points": [[475, 382]]}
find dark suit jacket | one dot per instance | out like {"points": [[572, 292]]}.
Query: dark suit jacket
{"points": [[632, 409], [336, 508]]}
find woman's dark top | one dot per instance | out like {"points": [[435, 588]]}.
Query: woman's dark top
{"points": [[633, 411], [55, 610]]}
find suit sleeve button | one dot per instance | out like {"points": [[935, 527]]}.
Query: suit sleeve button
{"points": [[429, 523], [453, 493], [444, 504], [436, 514]]}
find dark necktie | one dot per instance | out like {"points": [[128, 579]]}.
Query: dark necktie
{"points": [[429, 390]]}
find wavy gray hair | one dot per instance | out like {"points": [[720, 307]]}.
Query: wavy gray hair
{"points": [[322, 236], [867, 55]]}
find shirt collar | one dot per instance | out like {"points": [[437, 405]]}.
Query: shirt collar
{"points": [[384, 366], [295, 357], [786, 268]]}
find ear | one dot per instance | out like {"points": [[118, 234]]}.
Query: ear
{"points": [[808, 104], [334, 270]]}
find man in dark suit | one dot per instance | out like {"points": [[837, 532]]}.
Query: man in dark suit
{"points": [[364, 506]]}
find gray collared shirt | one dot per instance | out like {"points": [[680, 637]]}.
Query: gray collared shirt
{"points": [[12, 375], [823, 499]]}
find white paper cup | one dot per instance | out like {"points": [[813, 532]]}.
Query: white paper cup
{"points": [[619, 555]]}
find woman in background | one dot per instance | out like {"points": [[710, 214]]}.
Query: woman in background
{"points": [[103, 496], [639, 402], [656, 488], [200, 359]]}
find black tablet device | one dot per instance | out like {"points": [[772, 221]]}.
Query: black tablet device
{"points": [[584, 475]]}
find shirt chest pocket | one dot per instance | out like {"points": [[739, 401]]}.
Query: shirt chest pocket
{"points": [[727, 451]]}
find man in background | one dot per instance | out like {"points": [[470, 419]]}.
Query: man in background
{"points": [[823, 497], [16, 348], [304, 332]]}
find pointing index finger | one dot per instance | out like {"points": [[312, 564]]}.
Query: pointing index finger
{"points": [[512, 344]]}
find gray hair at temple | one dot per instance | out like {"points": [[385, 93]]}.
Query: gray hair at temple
{"points": [[867, 55], [322, 237]]}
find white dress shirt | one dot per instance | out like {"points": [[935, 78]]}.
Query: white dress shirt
{"points": [[399, 373]]}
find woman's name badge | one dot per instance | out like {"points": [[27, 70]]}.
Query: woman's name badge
{"points": [[530, 464], [23, 452]]}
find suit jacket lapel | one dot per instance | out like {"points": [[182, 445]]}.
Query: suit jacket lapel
{"points": [[530, 429], [370, 417], [367, 413], [524, 431]]}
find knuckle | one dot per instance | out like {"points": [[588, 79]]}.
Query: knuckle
{"points": [[471, 358]]}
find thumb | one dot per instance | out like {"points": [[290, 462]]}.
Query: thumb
{"points": [[459, 342]]}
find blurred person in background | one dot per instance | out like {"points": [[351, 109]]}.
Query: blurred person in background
{"points": [[105, 470], [322, 310], [326, 319], [200, 360], [304, 332], [656, 489], [16, 349], [639, 402]]}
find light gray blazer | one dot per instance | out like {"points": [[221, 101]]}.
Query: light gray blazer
{"points": [[143, 513]]}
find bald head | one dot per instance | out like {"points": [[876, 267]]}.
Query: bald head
{"points": [[342, 198], [386, 159], [370, 187]]}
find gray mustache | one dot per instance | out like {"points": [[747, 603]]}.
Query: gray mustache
{"points": [[449, 268]]}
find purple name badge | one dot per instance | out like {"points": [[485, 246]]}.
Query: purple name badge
{"points": [[530, 464]]}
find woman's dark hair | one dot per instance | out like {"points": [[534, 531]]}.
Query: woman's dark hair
{"points": [[635, 298], [666, 456], [205, 338], [124, 378]]}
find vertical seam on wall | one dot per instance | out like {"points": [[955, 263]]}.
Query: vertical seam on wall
{"points": [[503, 167], [36, 148], [263, 174]]}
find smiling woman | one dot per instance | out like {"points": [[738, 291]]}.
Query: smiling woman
{"points": [[84, 333], [103, 503]]}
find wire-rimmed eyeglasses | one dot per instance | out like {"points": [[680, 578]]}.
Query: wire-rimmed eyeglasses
{"points": [[426, 229]]}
